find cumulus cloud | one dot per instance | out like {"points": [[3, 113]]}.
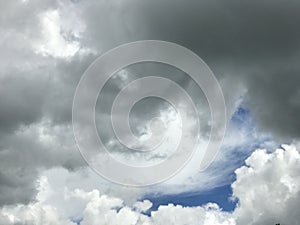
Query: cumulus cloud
{"points": [[32, 214], [47, 45], [30, 150], [267, 189], [101, 209]]}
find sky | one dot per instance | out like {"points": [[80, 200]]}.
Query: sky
{"points": [[251, 47]]}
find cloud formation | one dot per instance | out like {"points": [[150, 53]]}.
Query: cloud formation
{"points": [[253, 48], [267, 189]]}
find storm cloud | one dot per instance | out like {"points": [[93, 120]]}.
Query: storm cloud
{"points": [[252, 47]]}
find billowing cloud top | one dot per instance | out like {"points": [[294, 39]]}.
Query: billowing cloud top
{"points": [[267, 189], [253, 49]]}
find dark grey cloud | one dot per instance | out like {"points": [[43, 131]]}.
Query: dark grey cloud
{"points": [[253, 48], [245, 43], [255, 43], [21, 100], [35, 103]]}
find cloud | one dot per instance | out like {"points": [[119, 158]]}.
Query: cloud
{"points": [[32, 214], [267, 189], [35, 98], [30, 150], [255, 50], [205, 215], [46, 46]]}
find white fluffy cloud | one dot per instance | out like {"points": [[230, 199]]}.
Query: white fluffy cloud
{"points": [[32, 214], [46, 46], [267, 188]]}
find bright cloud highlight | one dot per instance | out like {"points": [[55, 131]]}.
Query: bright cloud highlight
{"points": [[267, 189]]}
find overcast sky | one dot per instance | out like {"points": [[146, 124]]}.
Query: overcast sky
{"points": [[252, 48]]}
